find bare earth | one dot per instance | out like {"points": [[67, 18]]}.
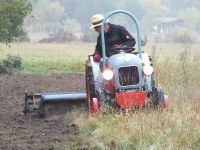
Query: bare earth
{"points": [[19, 132]]}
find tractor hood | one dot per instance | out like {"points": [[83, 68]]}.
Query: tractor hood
{"points": [[124, 59]]}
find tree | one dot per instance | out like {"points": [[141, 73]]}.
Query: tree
{"points": [[83, 10], [47, 16], [12, 13]]}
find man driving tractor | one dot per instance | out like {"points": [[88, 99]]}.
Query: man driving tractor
{"points": [[116, 36]]}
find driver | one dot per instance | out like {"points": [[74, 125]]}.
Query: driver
{"points": [[116, 36]]}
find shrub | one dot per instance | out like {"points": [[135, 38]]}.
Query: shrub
{"points": [[10, 64]]}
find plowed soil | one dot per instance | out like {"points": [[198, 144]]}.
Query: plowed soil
{"points": [[20, 132]]}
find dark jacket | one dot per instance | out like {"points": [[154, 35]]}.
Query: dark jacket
{"points": [[116, 35]]}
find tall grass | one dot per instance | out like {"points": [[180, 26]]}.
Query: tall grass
{"points": [[177, 71], [147, 129]]}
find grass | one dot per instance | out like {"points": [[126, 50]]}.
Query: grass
{"points": [[48, 58], [176, 68], [147, 129], [177, 71], [66, 57], [47, 65]]}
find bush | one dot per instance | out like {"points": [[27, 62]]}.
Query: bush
{"points": [[23, 38], [59, 37], [10, 64], [2, 68]]}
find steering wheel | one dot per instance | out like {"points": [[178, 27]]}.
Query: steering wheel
{"points": [[127, 49]]}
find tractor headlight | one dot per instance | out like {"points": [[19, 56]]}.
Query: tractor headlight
{"points": [[148, 70], [108, 74]]}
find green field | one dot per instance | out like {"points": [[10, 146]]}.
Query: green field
{"points": [[70, 57], [176, 68], [49, 58]]}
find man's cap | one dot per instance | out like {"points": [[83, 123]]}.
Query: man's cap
{"points": [[97, 20]]}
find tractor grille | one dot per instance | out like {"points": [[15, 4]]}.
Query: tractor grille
{"points": [[128, 76]]}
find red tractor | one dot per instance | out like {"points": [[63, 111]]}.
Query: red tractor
{"points": [[126, 81]]}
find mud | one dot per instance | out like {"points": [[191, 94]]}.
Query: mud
{"points": [[19, 132]]}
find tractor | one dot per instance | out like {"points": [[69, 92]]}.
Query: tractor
{"points": [[125, 80]]}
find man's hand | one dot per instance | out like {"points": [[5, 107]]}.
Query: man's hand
{"points": [[96, 58], [116, 46]]}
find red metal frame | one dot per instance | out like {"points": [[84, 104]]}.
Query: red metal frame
{"points": [[130, 99]]}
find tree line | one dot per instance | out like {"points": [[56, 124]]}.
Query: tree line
{"points": [[73, 16]]}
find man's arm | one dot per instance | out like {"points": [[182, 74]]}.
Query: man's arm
{"points": [[98, 47]]}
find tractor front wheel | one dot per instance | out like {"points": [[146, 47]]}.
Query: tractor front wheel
{"points": [[160, 99], [166, 102], [94, 105]]}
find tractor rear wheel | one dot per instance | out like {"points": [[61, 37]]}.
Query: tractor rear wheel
{"points": [[92, 101]]}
